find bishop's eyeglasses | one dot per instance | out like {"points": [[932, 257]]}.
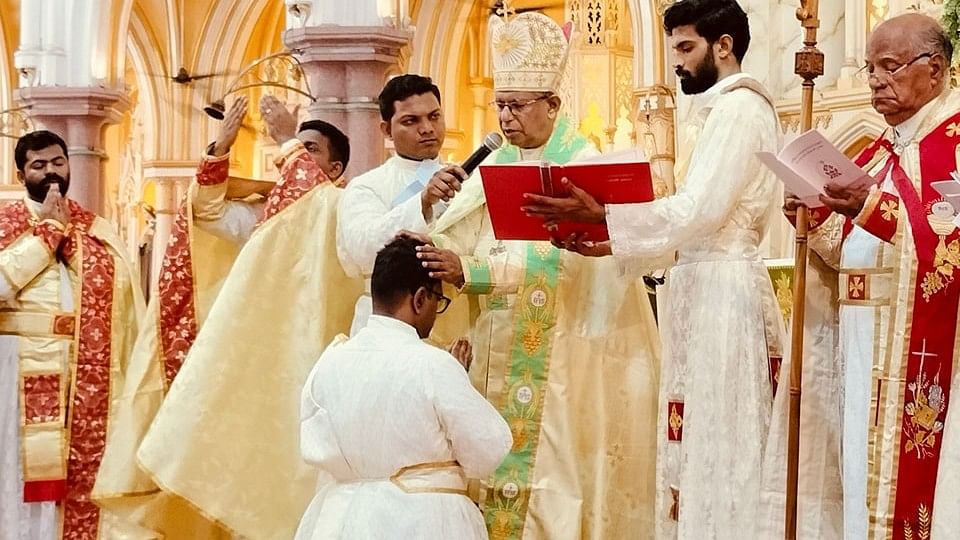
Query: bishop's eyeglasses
{"points": [[517, 107]]}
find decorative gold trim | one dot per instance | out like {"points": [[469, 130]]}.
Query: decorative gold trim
{"points": [[869, 208], [867, 271], [865, 303], [397, 477]]}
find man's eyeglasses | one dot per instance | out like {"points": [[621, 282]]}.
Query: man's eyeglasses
{"points": [[442, 301], [517, 107], [869, 71]]}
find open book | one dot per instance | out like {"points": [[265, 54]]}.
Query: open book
{"points": [[621, 177], [809, 163]]}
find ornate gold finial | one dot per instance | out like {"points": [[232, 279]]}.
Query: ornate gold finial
{"points": [[504, 10]]}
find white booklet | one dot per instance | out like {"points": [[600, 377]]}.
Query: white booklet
{"points": [[809, 163]]}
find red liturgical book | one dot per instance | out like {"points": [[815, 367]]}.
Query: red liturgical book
{"points": [[608, 183]]}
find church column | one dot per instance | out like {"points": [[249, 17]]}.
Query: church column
{"points": [[347, 67], [655, 135], [480, 88], [854, 34], [79, 115], [65, 84], [347, 49], [171, 180]]}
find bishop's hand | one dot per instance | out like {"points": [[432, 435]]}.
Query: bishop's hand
{"points": [[579, 207], [443, 264]]}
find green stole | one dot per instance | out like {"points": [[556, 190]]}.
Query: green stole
{"points": [[534, 320]]}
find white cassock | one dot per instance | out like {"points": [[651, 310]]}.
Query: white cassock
{"points": [[375, 206], [233, 221], [719, 319], [860, 330], [398, 427], [20, 520]]}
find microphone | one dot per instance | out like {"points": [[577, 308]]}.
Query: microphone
{"points": [[491, 142]]}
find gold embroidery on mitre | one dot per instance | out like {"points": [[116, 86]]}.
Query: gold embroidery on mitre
{"points": [[530, 52]]}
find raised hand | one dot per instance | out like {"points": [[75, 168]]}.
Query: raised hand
{"points": [[230, 126], [281, 123], [444, 184], [55, 207]]}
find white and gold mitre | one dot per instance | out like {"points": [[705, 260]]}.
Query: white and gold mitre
{"points": [[530, 52]]}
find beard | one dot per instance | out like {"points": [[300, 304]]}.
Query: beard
{"points": [[702, 79], [38, 191]]}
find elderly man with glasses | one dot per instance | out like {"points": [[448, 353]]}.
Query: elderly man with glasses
{"points": [[897, 251], [565, 346]]}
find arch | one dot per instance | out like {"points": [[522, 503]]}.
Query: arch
{"points": [[851, 134], [143, 52], [441, 33], [225, 31]]}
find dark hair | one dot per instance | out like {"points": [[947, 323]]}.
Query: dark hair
{"points": [[339, 143], [712, 19], [402, 87], [35, 141], [398, 272]]}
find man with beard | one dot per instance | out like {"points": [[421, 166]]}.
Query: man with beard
{"points": [[69, 312], [719, 318], [203, 379]]}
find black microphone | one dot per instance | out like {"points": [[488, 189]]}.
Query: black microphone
{"points": [[491, 142]]}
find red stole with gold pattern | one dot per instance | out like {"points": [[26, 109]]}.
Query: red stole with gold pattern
{"points": [[922, 385], [179, 322], [85, 414]]}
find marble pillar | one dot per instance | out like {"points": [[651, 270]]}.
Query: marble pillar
{"points": [[655, 133], [171, 180], [347, 67], [79, 115]]}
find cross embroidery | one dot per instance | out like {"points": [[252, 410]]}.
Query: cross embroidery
{"points": [[857, 287], [301, 175], [923, 354], [505, 10], [889, 210]]}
